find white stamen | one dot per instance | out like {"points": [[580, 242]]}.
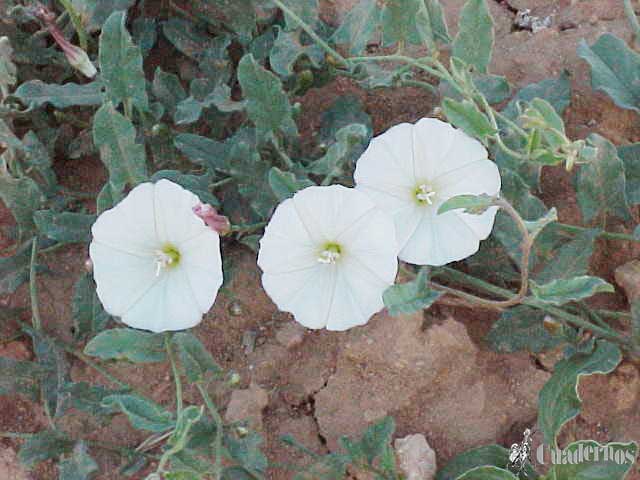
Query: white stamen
{"points": [[163, 260], [328, 256], [424, 193]]}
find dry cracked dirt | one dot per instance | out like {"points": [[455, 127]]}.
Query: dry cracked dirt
{"points": [[432, 372]]}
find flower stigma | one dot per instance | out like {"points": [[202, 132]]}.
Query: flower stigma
{"points": [[166, 257], [424, 194], [330, 254]]}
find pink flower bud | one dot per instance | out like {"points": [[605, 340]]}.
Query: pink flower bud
{"points": [[76, 56], [215, 221]]}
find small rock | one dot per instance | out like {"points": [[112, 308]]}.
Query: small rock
{"points": [[247, 406], [249, 341], [416, 458], [628, 277], [15, 350], [10, 467], [291, 335]]}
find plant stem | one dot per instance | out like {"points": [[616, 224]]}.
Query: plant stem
{"points": [[457, 275], [219, 426], [608, 235], [98, 368], [76, 20], [176, 373], [33, 288], [633, 19], [220, 183], [248, 227], [324, 45]]}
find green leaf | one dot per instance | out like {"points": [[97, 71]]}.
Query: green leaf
{"points": [[20, 377], [127, 343], [186, 419], [307, 11], [377, 438], [168, 90], [605, 467], [115, 137], [44, 445], [410, 297], [630, 156], [89, 317], [197, 362], [288, 48], [52, 358], [521, 328], [399, 21], [37, 93], [615, 70], [95, 12], [495, 88], [64, 227], [601, 184], [202, 150], [187, 37], [561, 291], [88, 398], [570, 260], [267, 105], [285, 184], [488, 473], [473, 204], [142, 413], [635, 322], [358, 26], [22, 197], [78, 466], [38, 160], [246, 451], [348, 141], [240, 16], [556, 91], [121, 63], [466, 116], [474, 41], [14, 270], [489, 455], [144, 30], [344, 111], [558, 400]]}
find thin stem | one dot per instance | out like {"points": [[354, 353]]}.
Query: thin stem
{"points": [[76, 20], [220, 183], [98, 368], [250, 227], [633, 19], [176, 373], [283, 155], [219, 426], [420, 84], [608, 235], [128, 108], [324, 45], [436, 72], [33, 288]]}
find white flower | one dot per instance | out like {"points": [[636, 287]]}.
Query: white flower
{"points": [[327, 256], [411, 169], [155, 262]]}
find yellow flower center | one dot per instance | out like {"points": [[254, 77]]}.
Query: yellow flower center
{"points": [[424, 194], [330, 253], [166, 257]]}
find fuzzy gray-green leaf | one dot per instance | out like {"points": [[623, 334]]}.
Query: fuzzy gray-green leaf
{"points": [[615, 69], [630, 156], [474, 41], [267, 104], [142, 413], [358, 26], [521, 328], [466, 116], [558, 400], [115, 137], [127, 343], [64, 227], [601, 184], [285, 184], [38, 93], [121, 63], [561, 291], [410, 297], [197, 362]]}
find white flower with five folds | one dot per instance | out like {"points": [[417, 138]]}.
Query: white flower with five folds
{"points": [[411, 169], [327, 256], [155, 262]]}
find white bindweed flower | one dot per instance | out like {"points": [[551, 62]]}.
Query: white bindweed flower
{"points": [[155, 262], [411, 169], [327, 255]]}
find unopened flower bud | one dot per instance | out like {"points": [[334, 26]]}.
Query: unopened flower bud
{"points": [[79, 60], [212, 218], [234, 379], [242, 431]]}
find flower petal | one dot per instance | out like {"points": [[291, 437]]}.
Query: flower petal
{"points": [[201, 262], [130, 225], [121, 277], [174, 217], [464, 150], [441, 239], [307, 294], [432, 143]]}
